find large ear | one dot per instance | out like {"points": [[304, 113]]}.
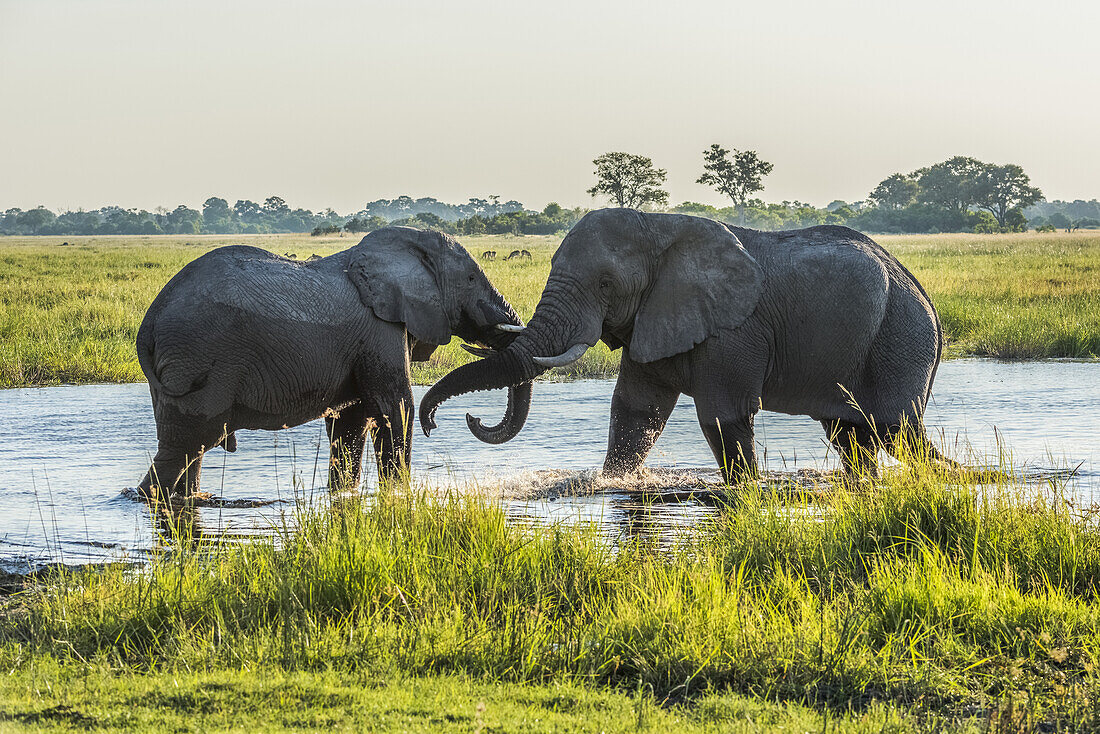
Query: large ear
{"points": [[705, 281], [394, 270]]}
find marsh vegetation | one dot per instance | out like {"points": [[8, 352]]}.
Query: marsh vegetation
{"points": [[69, 314], [920, 602]]}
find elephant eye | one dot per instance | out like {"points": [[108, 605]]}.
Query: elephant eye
{"points": [[605, 283]]}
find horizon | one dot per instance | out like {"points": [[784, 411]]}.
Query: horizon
{"points": [[166, 104]]}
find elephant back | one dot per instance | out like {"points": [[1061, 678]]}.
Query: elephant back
{"points": [[248, 280]]}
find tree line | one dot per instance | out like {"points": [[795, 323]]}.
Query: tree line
{"points": [[960, 194]]}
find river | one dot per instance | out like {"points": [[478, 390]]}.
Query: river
{"points": [[67, 453]]}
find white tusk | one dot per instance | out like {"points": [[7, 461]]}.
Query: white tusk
{"points": [[510, 328], [571, 355], [478, 351]]}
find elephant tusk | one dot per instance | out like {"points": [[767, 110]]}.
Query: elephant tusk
{"points": [[571, 355], [511, 328], [478, 351]]}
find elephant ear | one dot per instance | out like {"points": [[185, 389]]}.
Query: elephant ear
{"points": [[705, 281], [394, 270]]}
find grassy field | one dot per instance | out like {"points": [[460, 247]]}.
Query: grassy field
{"points": [[919, 606], [70, 312]]}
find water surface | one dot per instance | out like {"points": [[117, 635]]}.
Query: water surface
{"points": [[66, 454]]}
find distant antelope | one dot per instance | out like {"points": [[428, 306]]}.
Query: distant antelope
{"points": [[489, 255], [510, 255]]}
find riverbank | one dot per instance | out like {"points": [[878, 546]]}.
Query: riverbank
{"points": [[917, 604], [70, 307]]}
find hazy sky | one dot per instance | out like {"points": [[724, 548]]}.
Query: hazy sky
{"points": [[337, 103]]}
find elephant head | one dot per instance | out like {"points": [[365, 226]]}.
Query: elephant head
{"points": [[656, 283], [427, 281]]}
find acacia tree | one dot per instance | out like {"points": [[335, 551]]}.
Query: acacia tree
{"points": [[1001, 189], [630, 180], [738, 177]]}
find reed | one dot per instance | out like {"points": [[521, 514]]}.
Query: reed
{"points": [[919, 595]]}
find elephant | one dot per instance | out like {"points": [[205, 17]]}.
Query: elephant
{"points": [[244, 339], [820, 321]]}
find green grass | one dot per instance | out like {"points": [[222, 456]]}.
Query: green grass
{"points": [[99, 698], [70, 313], [910, 605], [1019, 296]]}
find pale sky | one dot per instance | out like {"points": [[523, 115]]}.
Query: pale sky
{"points": [[149, 103]]}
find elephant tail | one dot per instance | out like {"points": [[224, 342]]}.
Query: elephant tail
{"points": [[922, 441], [145, 354], [146, 348]]}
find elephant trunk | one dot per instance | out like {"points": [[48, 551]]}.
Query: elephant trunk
{"points": [[507, 369], [514, 368]]}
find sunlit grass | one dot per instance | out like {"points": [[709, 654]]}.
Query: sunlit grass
{"points": [[70, 313], [941, 601], [1015, 296]]}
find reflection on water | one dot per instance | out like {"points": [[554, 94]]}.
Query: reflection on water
{"points": [[67, 453]]}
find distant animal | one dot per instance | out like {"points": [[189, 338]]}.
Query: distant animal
{"points": [[512, 254], [243, 339], [313, 258], [820, 321], [525, 254], [290, 256], [489, 255]]}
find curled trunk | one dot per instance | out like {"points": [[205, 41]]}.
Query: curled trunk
{"points": [[519, 404], [514, 368], [501, 370]]}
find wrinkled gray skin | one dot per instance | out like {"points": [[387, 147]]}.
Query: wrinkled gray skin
{"points": [[242, 338], [739, 320]]}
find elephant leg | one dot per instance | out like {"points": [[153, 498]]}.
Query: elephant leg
{"points": [[732, 442], [173, 471], [858, 445], [392, 433], [639, 411], [911, 432], [347, 436]]}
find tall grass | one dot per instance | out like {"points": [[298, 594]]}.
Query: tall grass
{"points": [[1018, 296], [71, 313], [940, 597]]}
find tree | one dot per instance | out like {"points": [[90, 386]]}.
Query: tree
{"points": [[247, 211], [630, 180], [1015, 221], [1000, 189], [35, 219], [896, 192], [183, 220], [738, 178], [9, 222], [216, 215], [952, 184], [366, 224], [275, 205], [1060, 221]]}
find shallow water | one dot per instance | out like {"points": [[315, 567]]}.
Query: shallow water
{"points": [[66, 453]]}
